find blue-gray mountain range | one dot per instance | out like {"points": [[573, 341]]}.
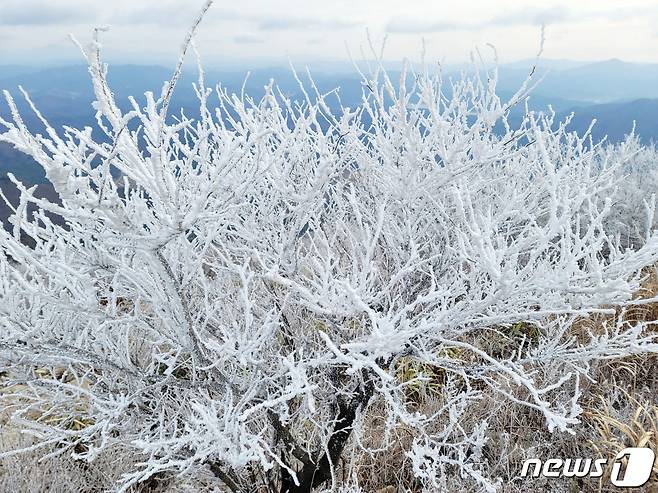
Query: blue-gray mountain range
{"points": [[616, 93]]}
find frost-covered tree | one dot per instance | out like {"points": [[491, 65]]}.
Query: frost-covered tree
{"points": [[637, 183], [275, 284]]}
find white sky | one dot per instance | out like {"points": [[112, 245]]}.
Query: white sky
{"points": [[35, 31]]}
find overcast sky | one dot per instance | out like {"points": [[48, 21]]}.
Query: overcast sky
{"points": [[35, 31]]}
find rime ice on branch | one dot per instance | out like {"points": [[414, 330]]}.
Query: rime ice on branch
{"points": [[243, 298]]}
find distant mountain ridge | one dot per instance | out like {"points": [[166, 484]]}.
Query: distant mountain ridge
{"points": [[615, 120], [614, 92]]}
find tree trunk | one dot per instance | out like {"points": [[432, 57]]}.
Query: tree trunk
{"points": [[313, 474]]}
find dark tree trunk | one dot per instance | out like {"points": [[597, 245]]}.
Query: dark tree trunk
{"points": [[314, 474]]}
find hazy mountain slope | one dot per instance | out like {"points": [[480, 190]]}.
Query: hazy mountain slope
{"points": [[615, 120], [64, 94], [607, 81]]}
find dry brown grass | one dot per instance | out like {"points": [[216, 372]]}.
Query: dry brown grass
{"points": [[614, 433], [620, 409]]}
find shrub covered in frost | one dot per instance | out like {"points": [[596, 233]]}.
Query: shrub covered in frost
{"points": [[264, 279]]}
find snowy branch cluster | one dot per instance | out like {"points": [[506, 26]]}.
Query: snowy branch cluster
{"points": [[263, 279], [637, 181]]}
